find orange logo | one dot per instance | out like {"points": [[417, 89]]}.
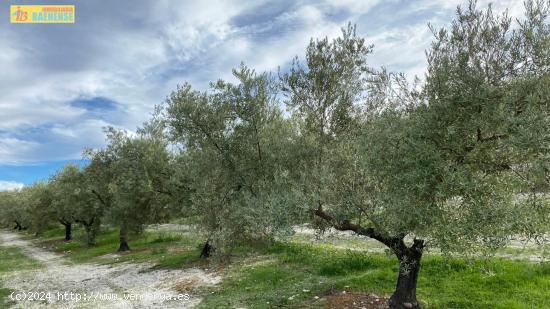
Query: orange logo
{"points": [[42, 14], [20, 15]]}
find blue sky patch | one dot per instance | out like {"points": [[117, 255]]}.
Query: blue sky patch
{"points": [[95, 104]]}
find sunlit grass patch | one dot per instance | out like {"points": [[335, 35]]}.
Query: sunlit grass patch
{"points": [[164, 248], [300, 272], [12, 259]]}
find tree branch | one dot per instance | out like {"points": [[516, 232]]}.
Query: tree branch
{"points": [[99, 197], [346, 225]]}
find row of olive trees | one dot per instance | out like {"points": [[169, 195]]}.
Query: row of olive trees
{"points": [[122, 184], [458, 162]]}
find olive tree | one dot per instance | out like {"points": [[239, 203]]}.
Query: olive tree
{"points": [[37, 204], [138, 168], [65, 190], [232, 148], [325, 97], [461, 164], [97, 176], [74, 202], [12, 211]]}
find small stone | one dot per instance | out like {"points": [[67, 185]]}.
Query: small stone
{"points": [[316, 297], [407, 305]]}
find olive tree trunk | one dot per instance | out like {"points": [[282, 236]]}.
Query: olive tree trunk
{"points": [[90, 235], [206, 250], [405, 290], [17, 226], [123, 236], [68, 231], [92, 228]]}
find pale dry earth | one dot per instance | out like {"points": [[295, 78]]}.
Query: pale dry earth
{"points": [[518, 248], [104, 286]]}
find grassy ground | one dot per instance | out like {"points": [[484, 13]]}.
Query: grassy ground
{"points": [[301, 275], [12, 259], [165, 249], [292, 275]]}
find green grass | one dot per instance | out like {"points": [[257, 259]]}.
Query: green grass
{"points": [[291, 274], [5, 297], [165, 249], [12, 258]]}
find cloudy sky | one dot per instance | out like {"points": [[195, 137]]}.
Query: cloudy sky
{"points": [[61, 83]]}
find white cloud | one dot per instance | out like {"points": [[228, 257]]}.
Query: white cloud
{"points": [[16, 151], [268, 54], [402, 49], [90, 128], [10, 185], [59, 142], [355, 6]]}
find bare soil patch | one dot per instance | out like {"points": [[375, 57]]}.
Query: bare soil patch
{"points": [[353, 300]]}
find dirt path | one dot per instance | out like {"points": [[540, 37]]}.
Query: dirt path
{"points": [[101, 286]]}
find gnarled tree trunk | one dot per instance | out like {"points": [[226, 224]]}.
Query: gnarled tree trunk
{"points": [[68, 231], [409, 267], [123, 236], [409, 259], [90, 235], [18, 226], [206, 250], [68, 235], [92, 227]]}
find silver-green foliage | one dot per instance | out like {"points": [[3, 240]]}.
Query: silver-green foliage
{"points": [[467, 163], [234, 144], [138, 168]]}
